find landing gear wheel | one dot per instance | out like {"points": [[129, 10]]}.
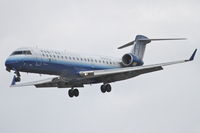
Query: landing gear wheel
{"points": [[71, 93], [103, 88], [108, 87], [17, 79], [76, 92]]}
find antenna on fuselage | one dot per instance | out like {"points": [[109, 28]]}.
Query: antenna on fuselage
{"points": [[36, 44]]}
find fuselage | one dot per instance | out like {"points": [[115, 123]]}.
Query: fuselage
{"points": [[35, 60]]}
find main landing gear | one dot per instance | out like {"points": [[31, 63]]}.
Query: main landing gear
{"points": [[73, 92], [106, 88]]}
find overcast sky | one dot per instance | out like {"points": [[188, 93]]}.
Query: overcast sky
{"points": [[166, 101]]}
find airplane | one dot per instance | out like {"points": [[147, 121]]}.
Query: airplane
{"points": [[74, 70]]}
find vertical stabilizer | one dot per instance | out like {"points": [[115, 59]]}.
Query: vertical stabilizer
{"points": [[139, 46]]}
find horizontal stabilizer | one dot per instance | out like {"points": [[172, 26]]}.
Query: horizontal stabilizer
{"points": [[162, 39], [149, 40], [126, 45]]}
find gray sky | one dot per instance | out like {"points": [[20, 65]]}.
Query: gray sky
{"points": [[165, 101]]}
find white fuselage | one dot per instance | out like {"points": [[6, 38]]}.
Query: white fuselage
{"points": [[35, 60]]}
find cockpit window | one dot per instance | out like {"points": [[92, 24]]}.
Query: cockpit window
{"points": [[26, 52]]}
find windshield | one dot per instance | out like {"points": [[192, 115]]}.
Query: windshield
{"points": [[26, 52]]}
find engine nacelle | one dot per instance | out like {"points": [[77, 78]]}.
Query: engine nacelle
{"points": [[131, 60]]}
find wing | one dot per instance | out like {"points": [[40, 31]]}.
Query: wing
{"points": [[111, 75], [50, 82], [36, 83]]}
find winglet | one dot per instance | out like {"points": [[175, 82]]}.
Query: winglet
{"points": [[13, 81], [193, 55]]}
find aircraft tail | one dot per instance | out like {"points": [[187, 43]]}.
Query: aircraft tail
{"points": [[139, 45]]}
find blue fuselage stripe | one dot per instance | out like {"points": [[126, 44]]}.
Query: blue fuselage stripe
{"points": [[55, 67]]}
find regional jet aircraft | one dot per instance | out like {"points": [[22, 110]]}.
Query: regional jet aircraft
{"points": [[75, 70]]}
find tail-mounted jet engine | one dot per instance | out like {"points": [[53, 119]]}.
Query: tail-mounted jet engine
{"points": [[131, 60]]}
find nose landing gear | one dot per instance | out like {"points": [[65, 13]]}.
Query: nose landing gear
{"points": [[17, 76], [17, 79]]}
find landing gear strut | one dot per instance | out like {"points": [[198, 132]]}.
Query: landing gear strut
{"points": [[73, 92], [106, 88], [17, 77]]}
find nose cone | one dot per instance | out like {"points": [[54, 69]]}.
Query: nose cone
{"points": [[10, 63]]}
